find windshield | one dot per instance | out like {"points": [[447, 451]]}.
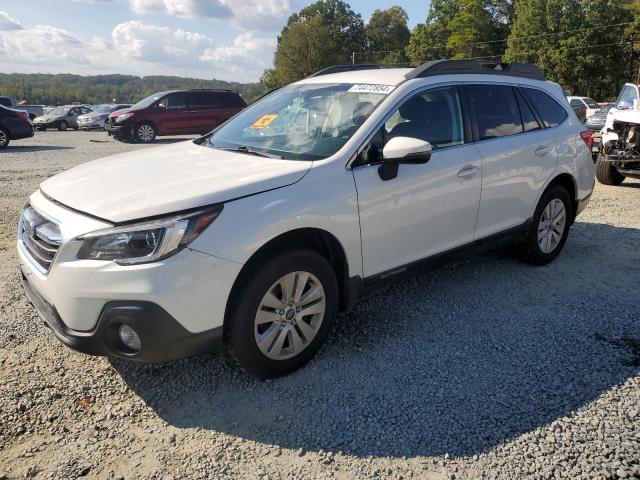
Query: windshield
{"points": [[301, 122], [59, 111], [101, 108], [148, 101], [591, 103]]}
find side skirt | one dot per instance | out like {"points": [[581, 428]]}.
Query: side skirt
{"points": [[359, 287]]}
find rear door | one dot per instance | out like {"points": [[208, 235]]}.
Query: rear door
{"points": [[518, 155], [204, 112]]}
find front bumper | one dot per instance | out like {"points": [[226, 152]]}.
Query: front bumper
{"points": [[189, 290], [162, 337], [120, 130], [97, 124]]}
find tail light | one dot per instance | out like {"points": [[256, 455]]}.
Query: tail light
{"points": [[24, 116], [587, 136]]}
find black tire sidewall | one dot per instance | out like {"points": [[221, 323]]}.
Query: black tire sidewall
{"points": [[8, 139], [239, 325], [533, 253], [60, 126]]}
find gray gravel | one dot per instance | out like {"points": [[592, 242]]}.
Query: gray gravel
{"points": [[483, 369]]}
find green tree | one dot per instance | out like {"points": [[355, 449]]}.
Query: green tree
{"points": [[306, 47], [469, 27], [429, 40], [387, 32]]}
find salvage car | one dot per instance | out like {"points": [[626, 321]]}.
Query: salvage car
{"points": [[97, 117], [61, 118], [619, 155], [250, 239], [177, 112], [589, 104]]}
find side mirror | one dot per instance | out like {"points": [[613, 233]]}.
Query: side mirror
{"points": [[162, 106], [402, 150]]}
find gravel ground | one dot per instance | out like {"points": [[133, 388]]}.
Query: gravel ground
{"points": [[484, 369]]}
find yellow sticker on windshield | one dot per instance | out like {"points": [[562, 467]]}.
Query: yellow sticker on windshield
{"points": [[264, 121]]}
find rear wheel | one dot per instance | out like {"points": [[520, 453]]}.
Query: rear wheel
{"points": [[145, 133], [4, 138], [549, 229], [606, 173], [282, 315], [62, 126]]}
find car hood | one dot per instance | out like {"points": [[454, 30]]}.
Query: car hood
{"points": [[162, 180], [93, 115], [122, 111]]}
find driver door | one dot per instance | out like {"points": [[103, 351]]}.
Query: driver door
{"points": [[428, 208]]}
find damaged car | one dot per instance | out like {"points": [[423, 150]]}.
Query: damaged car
{"points": [[619, 155]]}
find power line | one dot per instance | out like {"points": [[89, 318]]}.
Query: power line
{"points": [[507, 39]]}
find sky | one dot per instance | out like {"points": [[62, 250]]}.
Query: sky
{"points": [[230, 40]]}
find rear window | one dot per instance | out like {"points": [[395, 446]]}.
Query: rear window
{"points": [[496, 110], [5, 102], [550, 111]]}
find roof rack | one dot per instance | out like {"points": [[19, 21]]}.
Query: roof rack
{"points": [[452, 67], [345, 68]]}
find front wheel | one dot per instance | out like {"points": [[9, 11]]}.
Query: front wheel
{"points": [[62, 126], [549, 229], [607, 174], [282, 315], [4, 138], [145, 133]]}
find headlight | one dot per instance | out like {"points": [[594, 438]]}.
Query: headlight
{"points": [[124, 117], [149, 241]]}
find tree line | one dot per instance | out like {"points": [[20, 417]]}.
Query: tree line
{"points": [[590, 47], [61, 89]]}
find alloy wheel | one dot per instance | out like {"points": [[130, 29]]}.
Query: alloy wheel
{"points": [[290, 315], [3, 138], [552, 224], [145, 133]]}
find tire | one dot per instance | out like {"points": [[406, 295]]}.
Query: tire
{"points": [[5, 139], [607, 174], [285, 347], [62, 126], [545, 240], [145, 132]]}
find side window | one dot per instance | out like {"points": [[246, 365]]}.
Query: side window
{"points": [[529, 122], [85, 110], [5, 102], [434, 116], [550, 111], [175, 101], [74, 111], [231, 100], [575, 103], [496, 110], [202, 100]]}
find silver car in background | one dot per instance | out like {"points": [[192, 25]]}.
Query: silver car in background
{"points": [[99, 114]]}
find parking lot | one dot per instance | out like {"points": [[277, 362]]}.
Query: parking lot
{"points": [[487, 368]]}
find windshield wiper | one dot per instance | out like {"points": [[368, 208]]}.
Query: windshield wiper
{"points": [[250, 151]]}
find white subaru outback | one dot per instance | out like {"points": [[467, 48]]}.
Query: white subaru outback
{"points": [[253, 237]]}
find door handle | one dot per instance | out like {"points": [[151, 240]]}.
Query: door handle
{"points": [[468, 172], [542, 150]]}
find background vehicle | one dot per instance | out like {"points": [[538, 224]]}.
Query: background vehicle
{"points": [[61, 118], [14, 124], [590, 105], [619, 153], [178, 112], [596, 123], [253, 237], [33, 110], [95, 120]]}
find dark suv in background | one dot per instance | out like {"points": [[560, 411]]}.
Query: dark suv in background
{"points": [[177, 112], [14, 124]]}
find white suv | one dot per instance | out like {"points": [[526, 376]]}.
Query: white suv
{"points": [[253, 237]]}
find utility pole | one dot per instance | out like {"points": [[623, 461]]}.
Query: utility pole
{"points": [[353, 58]]}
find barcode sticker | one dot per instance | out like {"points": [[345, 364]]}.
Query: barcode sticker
{"points": [[372, 88]]}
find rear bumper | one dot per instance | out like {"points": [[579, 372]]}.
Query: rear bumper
{"points": [[162, 337], [26, 132]]}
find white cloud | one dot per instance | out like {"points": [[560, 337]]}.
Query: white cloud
{"points": [[8, 23], [136, 48], [247, 55], [246, 14]]}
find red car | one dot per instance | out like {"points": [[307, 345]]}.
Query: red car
{"points": [[176, 112]]}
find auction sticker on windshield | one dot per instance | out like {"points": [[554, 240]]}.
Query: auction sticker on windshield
{"points": [[371, 88], [264, 121]]}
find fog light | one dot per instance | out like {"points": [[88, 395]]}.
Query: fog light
{"points": [[129, 337]]}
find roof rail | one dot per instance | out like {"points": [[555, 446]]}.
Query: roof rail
{"points": [[345, 68], [452, 67]]}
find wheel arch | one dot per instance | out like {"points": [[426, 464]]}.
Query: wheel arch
{"points": [[568, 182], [314, 239]]}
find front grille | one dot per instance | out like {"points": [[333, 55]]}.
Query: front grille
{"points": [[40, 237]]}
